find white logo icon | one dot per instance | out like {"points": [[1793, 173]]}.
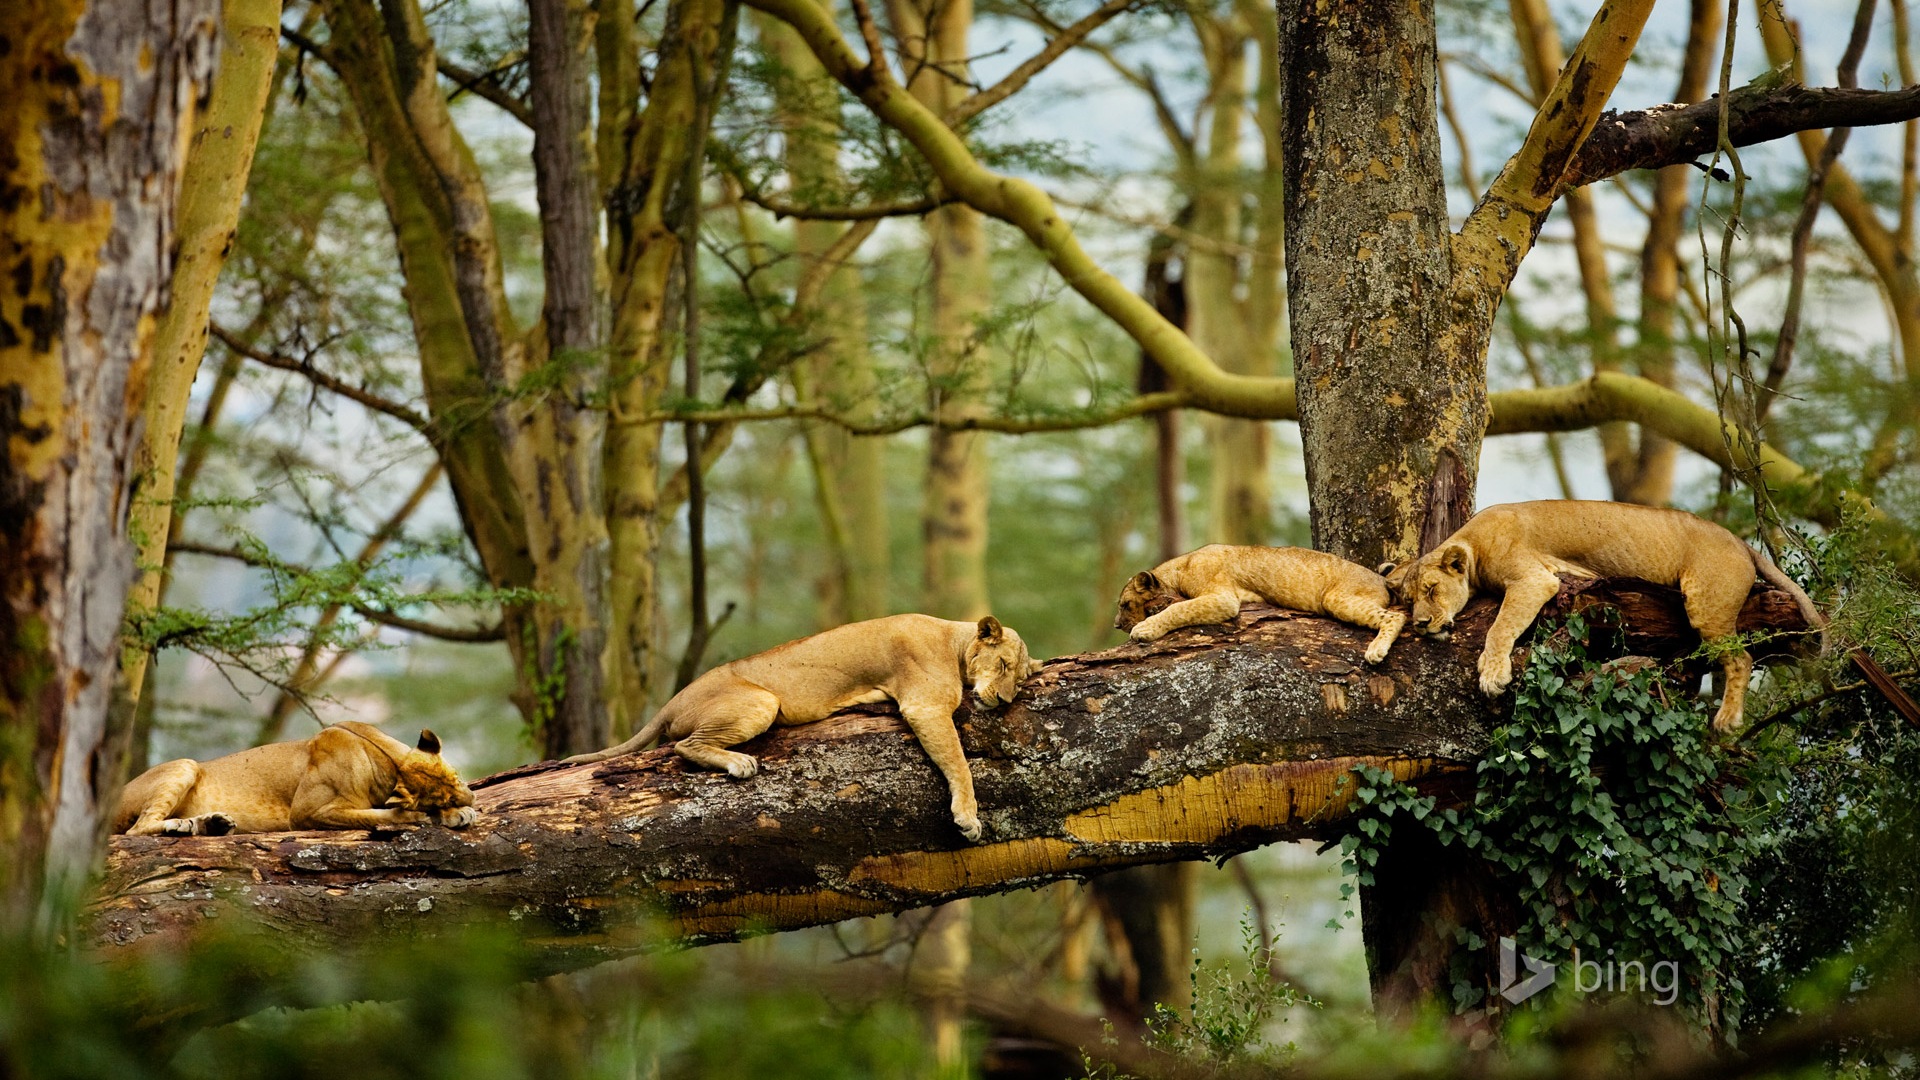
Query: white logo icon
{"points": [[1540, 973]]}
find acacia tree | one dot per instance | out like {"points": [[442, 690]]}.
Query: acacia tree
{"points": [[1392, 313], [101, 98]]}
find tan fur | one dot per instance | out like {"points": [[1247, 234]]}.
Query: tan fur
{"points": [[1521, 549], [350, 776], [917, 661], [1209, 585]]}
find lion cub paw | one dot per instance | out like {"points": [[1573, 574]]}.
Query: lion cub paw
{"points": [[969, 826], [742, 766], [1377, 652], [1144, 633], [458, 817]]}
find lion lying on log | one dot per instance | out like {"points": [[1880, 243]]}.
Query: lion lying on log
{"points": [[917, 661], [350, 776], [1521, 549]]}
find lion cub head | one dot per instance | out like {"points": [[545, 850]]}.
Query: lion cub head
{"points": [[997, 663], [1438, 585], [1143, 595], [427, 782]]}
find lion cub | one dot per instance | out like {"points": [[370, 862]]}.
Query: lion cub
{"points": [[350, 776], [917, 661], [1209, 585], [1521, 549]]}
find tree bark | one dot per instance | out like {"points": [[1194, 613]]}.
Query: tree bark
{"points": [[100, 97], [212, 186], [1392, 315], [1390, 418], [1212, 741]]}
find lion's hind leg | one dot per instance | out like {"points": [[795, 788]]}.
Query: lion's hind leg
{"points": [[727, 717], [158, 792], [1369, 611]]}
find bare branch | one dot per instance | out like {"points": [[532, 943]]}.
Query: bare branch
{"points": [[1144, 405], [482, 85], [780, 208], [1677, 134], [1848, 77], [1038, 62], [304, 367]]}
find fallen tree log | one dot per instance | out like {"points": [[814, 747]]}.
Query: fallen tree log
{"points": [[1213, 741]]}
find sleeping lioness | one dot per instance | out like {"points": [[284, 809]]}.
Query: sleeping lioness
{"points": [[917, 661], [350, 776], [1521, 549], [1209, 585]]}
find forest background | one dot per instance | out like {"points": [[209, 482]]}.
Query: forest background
{"points": [[339, 539]]}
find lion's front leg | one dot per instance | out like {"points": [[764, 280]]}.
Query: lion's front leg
{"points": [[1211, 608], [1522, 603], [932, 722], [339, 815]]}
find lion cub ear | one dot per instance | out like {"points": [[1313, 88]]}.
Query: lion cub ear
{"points": [[1454, 558], [1387, 568], [990, 629], [1146, 582], [429, 742]]}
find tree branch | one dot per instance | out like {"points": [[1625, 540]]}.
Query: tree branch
{"points": [[780, 208], [334, 383], [1677, 134], [385, 618], [481, 84], [1035, 64]]}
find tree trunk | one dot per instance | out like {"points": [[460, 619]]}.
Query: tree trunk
{"points": [[211, 189], [839, 374], [1212, 741], [1390, 418], [1392, 316], [1240, 492], [644, 252], [561, 439], [100, 97]]}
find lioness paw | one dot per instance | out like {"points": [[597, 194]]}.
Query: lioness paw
{"points": [[969, 826], [458, 817], [1496, 676], [742, 767]]}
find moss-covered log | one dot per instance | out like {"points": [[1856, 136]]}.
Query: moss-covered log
{"points": [[1213, 741]]}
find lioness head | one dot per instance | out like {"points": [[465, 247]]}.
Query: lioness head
{"points": [[1142, 596], [1437, 585], [997, 663], [426, 781]]}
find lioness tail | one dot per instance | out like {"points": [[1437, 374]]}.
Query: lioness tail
{"points": [[639, 741], [1779, 579]]}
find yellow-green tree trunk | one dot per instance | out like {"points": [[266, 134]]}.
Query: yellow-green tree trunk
{"points": [[100, 98], [211, 190]]}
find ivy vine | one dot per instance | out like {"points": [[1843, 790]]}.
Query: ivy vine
{"points": [[1601, 805]]}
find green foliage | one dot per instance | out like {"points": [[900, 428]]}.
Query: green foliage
{"points": [[1230, 1013], [1836, 894], [460, 1006], [1601, 805]]}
